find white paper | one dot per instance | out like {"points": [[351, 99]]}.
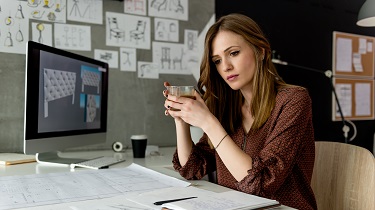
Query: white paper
{"points": [[108, 56], [362, 47], [166, 30], [344, 95], [149, 198], [55, 188], [344, 55], [148, 70], [173, 9], [88, 11], [128, 31], [51, 11], [370, 47], [222, 201], [42, 33], [14, 26], [171, 58], [128, 59], [72, 37], [357, 62], [137, 7], [362, 99]]}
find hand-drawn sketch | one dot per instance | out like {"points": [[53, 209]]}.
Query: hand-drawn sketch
{"points": [[171, 57], [148, 70], [191, 40], [128, 31], [108, 56], [88, 11], [136, 7], [114, 30], [14, 26], [47, 10], [175, 9], [128, 59], [72, 37], [166, 30], [42, 33]]}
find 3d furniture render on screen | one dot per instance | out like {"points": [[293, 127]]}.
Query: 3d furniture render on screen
{"points": [[90, 108], [58, 84], [90, 78], [343, 177]]}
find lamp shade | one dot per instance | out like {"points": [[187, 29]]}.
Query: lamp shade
{"points": [[366, 15]]}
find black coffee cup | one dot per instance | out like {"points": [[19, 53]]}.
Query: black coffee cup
{"points": [[139, 144]]}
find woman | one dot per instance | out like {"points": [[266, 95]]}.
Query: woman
{"points": [[258, 132]]}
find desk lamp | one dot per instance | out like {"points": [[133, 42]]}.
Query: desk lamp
{"points": [[366, 15], [327, 73]]}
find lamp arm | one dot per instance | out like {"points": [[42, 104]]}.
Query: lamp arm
{"points": [[328, 74]]}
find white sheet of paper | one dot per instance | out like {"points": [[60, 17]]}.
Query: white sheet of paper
{"points": [[362, 99], [54, 188], [344, 55], [344, 94]]}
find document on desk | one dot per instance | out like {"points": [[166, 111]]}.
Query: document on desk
{"points": [[53, 188]]}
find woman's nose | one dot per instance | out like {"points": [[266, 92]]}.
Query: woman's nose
{"points": [[227, 65]]}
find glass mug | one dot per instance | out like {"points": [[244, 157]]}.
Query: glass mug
{"points": [[181, 91]]}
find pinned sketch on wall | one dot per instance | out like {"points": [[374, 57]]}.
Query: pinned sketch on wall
{"points": [[72, 37], [344, 94], [171, 58], [136, 7], [191, 50], [128, 59], [128, 31], [148, 70], [174, 9], [14, 26], [108, 56], [88, 11], [52, 11], [42, 33], [166, 30]]}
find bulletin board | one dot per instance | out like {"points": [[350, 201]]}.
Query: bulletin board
{"points": [[356, 97], [353, 55]]}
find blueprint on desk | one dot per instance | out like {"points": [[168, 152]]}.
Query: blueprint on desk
{"points": [[53, 188]]}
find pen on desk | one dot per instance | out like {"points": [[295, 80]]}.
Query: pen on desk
{"points": [[158, 203]]}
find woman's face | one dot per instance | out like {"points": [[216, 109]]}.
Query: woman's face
{"points": [[234, 60]]}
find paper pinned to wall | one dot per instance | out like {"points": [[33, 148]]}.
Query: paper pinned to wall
{"points": [[362, 99], [344, 55], [14, 26], [344, 95], [88, 11]]}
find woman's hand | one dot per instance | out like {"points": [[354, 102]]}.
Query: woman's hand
{"points": [[193, 112]]}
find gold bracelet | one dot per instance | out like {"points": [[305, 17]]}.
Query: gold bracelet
{"points": [[221, 141]]}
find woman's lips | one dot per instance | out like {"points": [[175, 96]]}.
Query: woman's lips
{"points": [[232, 77]]}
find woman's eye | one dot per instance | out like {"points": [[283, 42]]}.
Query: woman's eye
{"points": [[216, 62], [234, 53]]}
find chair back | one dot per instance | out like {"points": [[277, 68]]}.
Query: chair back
{"points": [[343, 177]]}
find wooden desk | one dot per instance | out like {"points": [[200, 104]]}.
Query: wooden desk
{"points": [[161, 163]]}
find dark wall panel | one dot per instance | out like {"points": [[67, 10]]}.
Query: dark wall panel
{"points": [[301, 33]]}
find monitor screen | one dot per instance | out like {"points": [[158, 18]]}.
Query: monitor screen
{"points": [[65, 102]]}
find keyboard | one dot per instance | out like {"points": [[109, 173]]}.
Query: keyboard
{"points": [[97, 163]]}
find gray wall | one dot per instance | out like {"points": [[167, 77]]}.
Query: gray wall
{"points": [[135, 105]]}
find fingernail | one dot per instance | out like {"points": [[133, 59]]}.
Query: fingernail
{"points": [[168, 106], [166, 113]]}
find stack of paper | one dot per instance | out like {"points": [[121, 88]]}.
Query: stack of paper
{"points": [[207, 200], [15, 158]]}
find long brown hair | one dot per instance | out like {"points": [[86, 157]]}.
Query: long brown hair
{"points": [[224, 102]]}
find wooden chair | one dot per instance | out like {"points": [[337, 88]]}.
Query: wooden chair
{"points": [[343, 177]]}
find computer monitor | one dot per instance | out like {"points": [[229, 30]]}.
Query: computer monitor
{"points": [[65, 102]]}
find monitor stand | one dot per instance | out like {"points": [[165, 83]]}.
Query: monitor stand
{"points": [[55, 158]]}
